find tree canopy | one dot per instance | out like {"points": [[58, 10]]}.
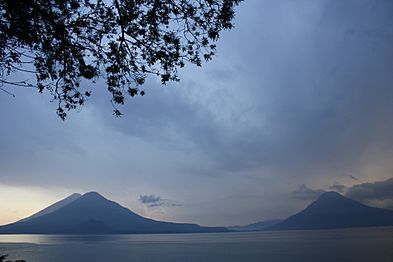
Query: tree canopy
{"points": [[63, 42]]}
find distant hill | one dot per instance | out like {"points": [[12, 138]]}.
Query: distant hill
{"points": [[91, 213], [259, 226], [332, 210]]}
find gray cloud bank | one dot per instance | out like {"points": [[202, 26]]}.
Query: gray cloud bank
{"points": [[379, 193]]}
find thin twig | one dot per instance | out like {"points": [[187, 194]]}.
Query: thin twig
{"points": [[7, 92]]}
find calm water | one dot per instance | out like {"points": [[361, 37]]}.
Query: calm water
{"points": [[372, 244]]}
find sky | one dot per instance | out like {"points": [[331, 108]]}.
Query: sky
{"points": [[297, 101]]}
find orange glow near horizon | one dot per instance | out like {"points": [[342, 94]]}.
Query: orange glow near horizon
{"points": [[20, 202]]}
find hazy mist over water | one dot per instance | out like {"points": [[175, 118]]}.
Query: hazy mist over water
{"points": [[368, 244]]}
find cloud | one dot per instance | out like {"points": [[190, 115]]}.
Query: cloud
{"points": [[380, 190], [305, 193], [149, 199], [379, 193], [338, 188], [156, 201], [352, 177]]}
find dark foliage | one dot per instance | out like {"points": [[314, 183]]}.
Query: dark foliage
{"points": [[63, 42], [3, 257]]}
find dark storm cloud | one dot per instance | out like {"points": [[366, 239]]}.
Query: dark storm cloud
{"points": [[323, 119], [168, 112], [314, 97], [305, 193], [380, 190]]}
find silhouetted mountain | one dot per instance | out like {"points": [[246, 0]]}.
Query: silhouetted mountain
{"points": [[332, 210], [54, 206], [94, 214], [259, 226]]}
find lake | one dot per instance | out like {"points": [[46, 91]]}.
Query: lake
{"points": [[368, 244]]}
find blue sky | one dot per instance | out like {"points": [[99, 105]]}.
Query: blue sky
{"points": [[297, 101]]}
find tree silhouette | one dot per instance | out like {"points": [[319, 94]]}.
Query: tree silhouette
{"points": [[3, 257], [63, 42]]}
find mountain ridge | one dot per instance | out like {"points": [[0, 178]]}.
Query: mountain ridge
{"points": [[92, 213], [333, 210], [53, 207]]}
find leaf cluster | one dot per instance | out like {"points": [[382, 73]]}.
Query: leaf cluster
{"points": [[63, 42]]}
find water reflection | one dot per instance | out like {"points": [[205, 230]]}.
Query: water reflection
{"points": [[380, 233], [369, 244]]}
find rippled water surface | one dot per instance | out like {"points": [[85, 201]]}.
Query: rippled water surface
{"points": [[371, 244]]}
